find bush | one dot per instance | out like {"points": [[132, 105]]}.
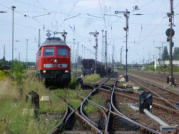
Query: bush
{"points": [[17, 72], [2, 75], [91, 78]]}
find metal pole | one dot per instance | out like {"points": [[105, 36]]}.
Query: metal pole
{"points": [[96, 55], [13, 8], [4, 53], [19, 56], [27, 40], [121, 56], [95, 34], [102, 54], [126, 14], [39, 39], [171, 42], [106, 49]]}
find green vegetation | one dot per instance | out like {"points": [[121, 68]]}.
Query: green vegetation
{"points": [[12, 102], [12, 118], [2, 75], [165, 55], [97, 98], [90, 109], [165, 68], [176, 53], [14, 121], [75, 103], [91, 78], [16, 74], [149, 68]]}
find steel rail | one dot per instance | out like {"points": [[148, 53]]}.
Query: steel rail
{"points": [[103, 111], [67, 116], [155, 105], [156, 85], [93, 128], [153, 92], [83, 103], [60, 125], [141, 126], [108, 118], [85, 100], [119, 115]]}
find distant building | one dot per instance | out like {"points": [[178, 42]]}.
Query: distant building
{"points": [[166, 62]]}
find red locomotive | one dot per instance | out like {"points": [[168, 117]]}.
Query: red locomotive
{"points": [[53, 61]]}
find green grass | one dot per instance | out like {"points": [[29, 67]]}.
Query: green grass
{"points": [[90, 109], [75, 103], [165, 68], [11, 113], [2, 75], [12, 121], [91, 78]]}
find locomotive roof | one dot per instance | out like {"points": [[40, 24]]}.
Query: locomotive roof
{"points": [[53, 41]]}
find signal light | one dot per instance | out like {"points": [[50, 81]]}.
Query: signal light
{"points": [[55, 61], [66, 71], [44, 71]]}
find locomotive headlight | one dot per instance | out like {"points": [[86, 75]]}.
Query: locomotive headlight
{"points": [[44, 71], [55, 61], [66, 71]]}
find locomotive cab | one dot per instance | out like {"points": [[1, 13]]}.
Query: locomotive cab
{"points": [[53, 61]]}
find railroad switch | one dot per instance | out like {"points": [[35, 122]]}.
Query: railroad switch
{"points": [[145, 102]]}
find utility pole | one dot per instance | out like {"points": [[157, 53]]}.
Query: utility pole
{"points": [[102, 54], [106, 45], [27, 41], [171, 33], [113, 48], [95, 34], [19, 56], [77, 55], [126, 15], [13, 8], [39, 38], [4, 53], [121, 55]]}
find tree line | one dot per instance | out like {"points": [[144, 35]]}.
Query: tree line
{"points": [[165, 54]]}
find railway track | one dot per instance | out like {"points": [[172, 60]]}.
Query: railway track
{"points": [[65, 124], [160, 77], [112, 119], [168, 97]]}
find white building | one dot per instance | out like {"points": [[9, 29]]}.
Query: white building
{"points": [[165, 62]]}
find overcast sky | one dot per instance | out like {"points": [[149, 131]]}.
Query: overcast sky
{"points": [[145, 32]]}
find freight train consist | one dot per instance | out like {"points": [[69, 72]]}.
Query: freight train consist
{"points": [[53, 61], [88, 67]]}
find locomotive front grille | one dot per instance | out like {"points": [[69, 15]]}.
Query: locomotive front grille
{"points": [[55, 65], [62, 65]]}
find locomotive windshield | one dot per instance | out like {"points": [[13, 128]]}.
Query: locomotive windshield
{"points": [[48, 51], [62, 52]]}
